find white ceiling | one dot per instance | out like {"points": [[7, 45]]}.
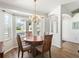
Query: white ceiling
{"points": [[43, 6], [72, 6]]}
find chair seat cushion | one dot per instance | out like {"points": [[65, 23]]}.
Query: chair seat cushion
{"points": [[24, 43], [39, 48], [27, 48]]}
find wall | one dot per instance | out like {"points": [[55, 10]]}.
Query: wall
{"points": [[57, 36], [70, 34]]}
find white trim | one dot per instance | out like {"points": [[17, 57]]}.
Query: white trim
{"points": [[9, 49], [57, 45]]}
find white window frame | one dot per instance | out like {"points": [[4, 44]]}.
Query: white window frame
{"points": [[9, 26]]}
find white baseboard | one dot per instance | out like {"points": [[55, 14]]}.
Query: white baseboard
{"points": [[57, 45], [9, 49]]}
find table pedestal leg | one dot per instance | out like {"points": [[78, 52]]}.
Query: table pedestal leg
{"points": [[33, 51]]}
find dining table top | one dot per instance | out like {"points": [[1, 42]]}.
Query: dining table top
{"points": [[34, 38]]}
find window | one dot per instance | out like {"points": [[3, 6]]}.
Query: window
{"points": [[30, 26], [21, 26], [75, 25], [7, 21]]}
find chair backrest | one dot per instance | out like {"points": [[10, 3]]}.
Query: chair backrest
{"points": [[47, 43], [29, 33], [19, 42]]}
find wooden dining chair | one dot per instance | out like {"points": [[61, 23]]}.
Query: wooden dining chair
{"points": [[21, 47], [46, 46], [29, 34]]}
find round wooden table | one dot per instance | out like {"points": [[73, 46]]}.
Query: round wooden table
{"points": [[34, 41]]}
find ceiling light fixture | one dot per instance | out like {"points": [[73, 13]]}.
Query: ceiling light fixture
{"points": [[35, 17]]}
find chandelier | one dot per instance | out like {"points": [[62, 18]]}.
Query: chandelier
{"points": [[35, 17]]}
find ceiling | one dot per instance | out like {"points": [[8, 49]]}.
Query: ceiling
{"points": [[69, 6], [43, 6]]}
